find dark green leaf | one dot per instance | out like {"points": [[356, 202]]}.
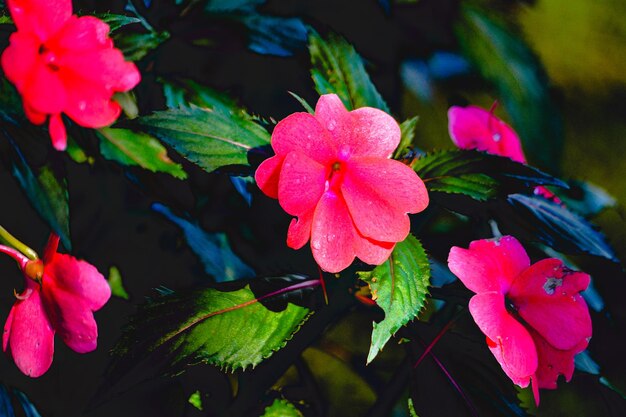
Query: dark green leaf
{"points": [[137, 149], [116, 21], [504, 60], [10, 102], [399, 286], [185, 94], [47, 193], [408, 134], [586, 199], [229, 329], [116, 284], [337, 68], [6, 20], [534, 218], [304, 103], [231, 5], [478, 175], [209, 138], [7, 401], [137, 45], [213, 249], [75, 152], [281, 408], [274, 35]]}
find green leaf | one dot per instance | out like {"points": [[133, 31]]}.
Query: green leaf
{"points": [[137, 149], [230, 329], [7, 401], [135, 46], [478, 175], [116, 284], [408, 134], [399, 287], [282, 408], [504, 59], [213, 249], [537, 219], [210, 138], [75, 152], [116, 21], [195, 399], [47, 193], [586, 199], [412, 412], [6, 20], [337, 68]]}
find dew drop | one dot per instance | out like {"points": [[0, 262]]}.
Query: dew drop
{"points": [[332, 124]]}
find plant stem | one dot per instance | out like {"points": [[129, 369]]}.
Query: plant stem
{"points": [[12, 241], [15, 254]]}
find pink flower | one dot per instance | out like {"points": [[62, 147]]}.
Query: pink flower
{"points": [[474, 128], [533, 316], [332, 171], [61, 63], [61, 295]]}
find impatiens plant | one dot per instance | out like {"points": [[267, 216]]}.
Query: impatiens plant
{"points": [[534, 317], [62, 63], [60, 295], [286, 226], [332, 171]]}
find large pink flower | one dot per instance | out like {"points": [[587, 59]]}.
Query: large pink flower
{"points": [[472, 127], [533, 316], [61, 295], [332, 171], [61, 63]]}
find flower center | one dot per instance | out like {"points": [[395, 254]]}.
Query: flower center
{"points": [[34, 270], [335, 176], [48, 57]]}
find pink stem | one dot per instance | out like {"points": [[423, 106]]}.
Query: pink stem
{"points": [[15, 254]]}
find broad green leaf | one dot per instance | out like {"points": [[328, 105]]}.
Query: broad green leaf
{"points": [[408, 134], [116, 21], [185, 94], [137, 149], [137, 45], [230, 329], [47, 193], [220, 6], [213, 249], [505, 60], [209, 138], [537, 219], [337, 68], [116, 284], [399, 286], [282, 408], [478, 175]]}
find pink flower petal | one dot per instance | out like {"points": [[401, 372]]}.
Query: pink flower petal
{"points": [[45, 93], [547, 297], [79, 278], [58, 134], [303, 133], [489, 264], [29, 335], [301, 183], [86, 33], [89, 104], [268, 174], [361, 132], [105, 68], [300, 230], [71, 317], [332, 234], [371, 251], [475, 128], [41, 17], [33, 115], [391, 180], [509, 341], [19, 58], [554, 362], [374, 217]]}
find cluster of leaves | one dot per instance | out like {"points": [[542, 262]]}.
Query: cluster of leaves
{"points": [[258, 327]]}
